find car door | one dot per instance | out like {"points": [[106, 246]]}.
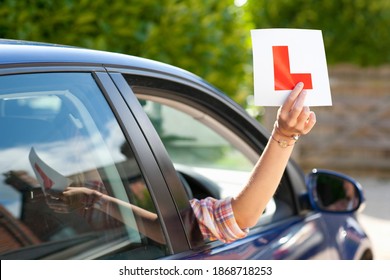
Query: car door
{"points": [[76, 183], [213, 146]]}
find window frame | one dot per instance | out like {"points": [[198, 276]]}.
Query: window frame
{"points": [[169, 218], [207, 100]]}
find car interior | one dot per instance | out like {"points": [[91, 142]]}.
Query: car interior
{"points": [[197, 181]]}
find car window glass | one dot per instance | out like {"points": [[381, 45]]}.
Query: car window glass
{"points": [[212, 159], [195, 147], [70, 186]]}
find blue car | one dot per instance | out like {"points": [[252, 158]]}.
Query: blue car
{"points": [[152, 137]]}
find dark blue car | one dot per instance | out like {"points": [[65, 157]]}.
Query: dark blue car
{"points": [[151, 136]]}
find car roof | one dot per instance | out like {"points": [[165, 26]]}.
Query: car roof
{"points": [[18, 52]]}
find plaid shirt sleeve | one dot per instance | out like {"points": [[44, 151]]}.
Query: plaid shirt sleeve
{"points": [[216, 219]]}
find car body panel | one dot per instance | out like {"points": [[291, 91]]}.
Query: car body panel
{"points": [[293, 239], [308, 234]]}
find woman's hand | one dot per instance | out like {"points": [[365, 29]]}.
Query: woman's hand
{"points": [[81, 197], [293, 118]]}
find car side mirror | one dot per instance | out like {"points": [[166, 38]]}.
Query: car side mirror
{"points": [[334, 192]]}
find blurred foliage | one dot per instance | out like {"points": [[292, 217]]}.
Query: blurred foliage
{"points": [[354, 31], [208, 38]]}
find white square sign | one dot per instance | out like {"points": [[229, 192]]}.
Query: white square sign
{"points": [[48, 178], [284, 57]]}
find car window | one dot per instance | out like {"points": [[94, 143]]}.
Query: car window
{"points": [[70, 185], [211, 158], [196, 147]]}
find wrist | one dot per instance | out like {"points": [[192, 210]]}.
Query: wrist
{"points": [[93, 199], [283, 140]]}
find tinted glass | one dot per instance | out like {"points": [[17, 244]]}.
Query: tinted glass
{"points": [[193, 143], [335, 194], [212, 159], [70, 186]]}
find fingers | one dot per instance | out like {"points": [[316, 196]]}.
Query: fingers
{"points": [[298, 109], [292, 106], [311, 121], [304, 114], [77, 189], [293, 117], [290, 101], [68, 191]]}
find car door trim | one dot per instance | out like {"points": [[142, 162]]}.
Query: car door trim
{"points": [[150, 168]]}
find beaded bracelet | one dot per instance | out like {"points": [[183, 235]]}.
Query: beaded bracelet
{"points": [[294, 136], [282, 143]]}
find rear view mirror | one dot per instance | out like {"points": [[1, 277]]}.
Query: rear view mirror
{"points": [[334, 192]]}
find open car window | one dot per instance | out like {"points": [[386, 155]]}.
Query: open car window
{"points": [[210, 157], [70, 186]]}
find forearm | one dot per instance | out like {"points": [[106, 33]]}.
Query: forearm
{"points": [[149, 223], [262, 184], [293, 119]]}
